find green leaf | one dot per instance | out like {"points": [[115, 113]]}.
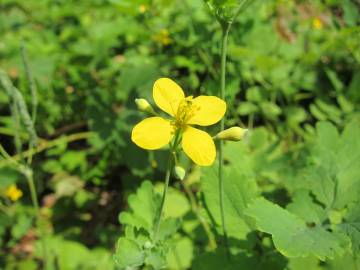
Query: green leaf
{"points": [[292, 236], [333, 175], [168, 227], [156, 259], [239, 190], [8, 176], [309, 263], [351, 226], [295, 115], [181, 254], [347, 262], [226, 10], [351, 12], [144, 206], [220, 259], [128, 254], [270, 110], [304, 207], [139, 229], [176, 205], [246, 108]]}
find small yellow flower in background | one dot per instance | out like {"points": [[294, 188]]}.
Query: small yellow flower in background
{"points": [[163, 37], [13, 193], [317, 23], [142, 8], [155, 132]]}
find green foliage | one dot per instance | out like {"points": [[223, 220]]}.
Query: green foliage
{"points": [[292, 236], [240, 189], [142, 248], [291, 186], [226, 11]]}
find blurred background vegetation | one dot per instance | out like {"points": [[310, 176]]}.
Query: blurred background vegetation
{"points": [[291, 64]]}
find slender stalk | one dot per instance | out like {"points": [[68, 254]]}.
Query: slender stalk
{"points": [[167, 180], [224, 41], [29, 176], [225, 27]]}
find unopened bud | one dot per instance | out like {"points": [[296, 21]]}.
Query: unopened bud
{"points": [[232, 134], [148, 245], [179, 172], [143, 105]]}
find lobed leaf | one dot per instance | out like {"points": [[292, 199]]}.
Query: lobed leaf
{"points": [[292, 236]]}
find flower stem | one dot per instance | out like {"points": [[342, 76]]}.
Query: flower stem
{"points": [[167, 180], [225, 33]]}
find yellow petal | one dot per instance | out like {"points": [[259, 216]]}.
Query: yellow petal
{"points": [[199, 146], [167, 95], [209, 110], [152, 133]]}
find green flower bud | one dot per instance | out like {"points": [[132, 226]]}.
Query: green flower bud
{"points": [[232, 134], [148, 245], [179, 172], [143, 105]]}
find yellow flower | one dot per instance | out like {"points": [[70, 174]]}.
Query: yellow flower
{"points": [[155, 132], [13, 193], [163, 37], [317, 23], [142, 8]]}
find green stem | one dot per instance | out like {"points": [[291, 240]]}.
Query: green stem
{"points": [[167, 180], [225, 33], [29, 176]]}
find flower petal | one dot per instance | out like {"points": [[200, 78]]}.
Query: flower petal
{"points": [[210, 109], [167, 95], [199, 146], [152, 133]]}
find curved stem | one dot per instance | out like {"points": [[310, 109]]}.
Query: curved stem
{"points": [[225, 33]]}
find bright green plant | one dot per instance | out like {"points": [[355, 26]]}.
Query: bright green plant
{"points": [[289, 189]]}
